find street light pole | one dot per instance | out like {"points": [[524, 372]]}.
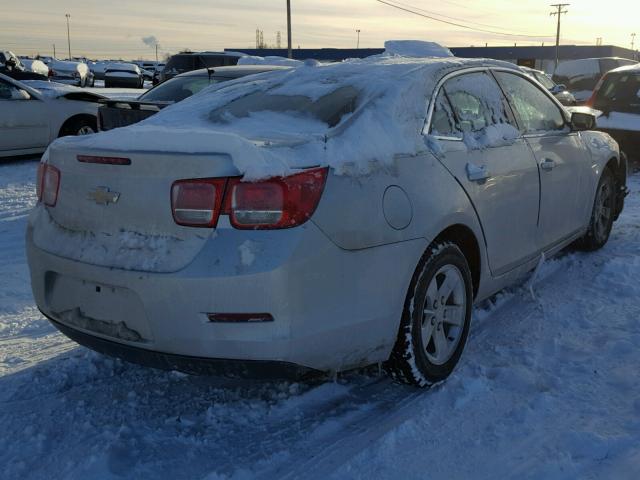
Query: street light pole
{"points": [[633, 40], [358, 43], [68, 34], [289, 53]]}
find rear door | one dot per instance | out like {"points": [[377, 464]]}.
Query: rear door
{"points": [[23, 119], [561, 156], [482, 148]]}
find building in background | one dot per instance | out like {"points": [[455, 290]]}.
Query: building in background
{"points": [[538, 57]]}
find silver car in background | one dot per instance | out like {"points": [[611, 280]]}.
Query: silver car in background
{"points": [[325, 217]]}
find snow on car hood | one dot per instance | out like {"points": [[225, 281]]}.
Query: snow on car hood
{"points": [[393, 93], [58, 90]]}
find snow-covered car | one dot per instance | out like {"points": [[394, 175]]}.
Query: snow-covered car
{"points": [[559, 91], [13, 67], [581, 76], [116, 113], [34, 113], [69, 72], [617, 96], [35, 66], [125, 75], [323, 217]]}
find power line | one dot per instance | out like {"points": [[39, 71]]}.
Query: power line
{"points": [[455, 24]]}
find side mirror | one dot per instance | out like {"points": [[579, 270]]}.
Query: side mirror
{"points": [[581, 121]]}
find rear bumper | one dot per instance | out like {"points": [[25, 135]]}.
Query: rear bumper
{"points": [[184, 363], [333, 309]]}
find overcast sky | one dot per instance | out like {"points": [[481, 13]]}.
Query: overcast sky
{"points": [[116, 28]]}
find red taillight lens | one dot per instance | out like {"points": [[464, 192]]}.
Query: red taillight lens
{"points": [[281, 202], [48, 184], [197, 202], [41, 167]]}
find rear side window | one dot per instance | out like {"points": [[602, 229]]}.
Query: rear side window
{"points": [[469, 104], [536, 112], [620, 91]]}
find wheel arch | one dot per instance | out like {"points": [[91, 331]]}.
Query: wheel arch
{"points": [[465, 239], [64, 129]]}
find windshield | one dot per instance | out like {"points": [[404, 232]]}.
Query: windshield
{"points": [[178, 88], [328, 109]]}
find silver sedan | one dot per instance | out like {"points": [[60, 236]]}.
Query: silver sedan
{"points": [[323, 218]]}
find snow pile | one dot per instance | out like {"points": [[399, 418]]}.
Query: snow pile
{"points": [[384, 119], [416, 48], [269, 60]]}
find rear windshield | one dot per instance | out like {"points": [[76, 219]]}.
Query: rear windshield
{"points": [[620, 91], [176, 89], [181, 63], [328, 109]]}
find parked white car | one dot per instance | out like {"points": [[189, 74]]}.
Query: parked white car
{"points": [[69, 72], [34, 113]]}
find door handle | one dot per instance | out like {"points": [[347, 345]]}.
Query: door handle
{"points": [[477, 173], [547, 164]]}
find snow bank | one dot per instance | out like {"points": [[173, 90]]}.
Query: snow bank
{"points": [[386, 118], [416, 48]]}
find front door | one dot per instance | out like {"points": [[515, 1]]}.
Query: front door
{"points": [[560, 154], [23, 119]]}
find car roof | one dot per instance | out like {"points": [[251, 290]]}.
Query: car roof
{"points": [[233, 70], [626, 68]]}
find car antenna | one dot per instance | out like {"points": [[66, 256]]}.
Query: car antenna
{"points": [[210, 72]]}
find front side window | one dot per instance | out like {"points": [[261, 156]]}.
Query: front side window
{"points": [[10, 92], [178, 88], [536, 112]]}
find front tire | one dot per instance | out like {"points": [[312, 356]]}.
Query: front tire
{"points": [[80, 126], [435, 320], [602, 214]]}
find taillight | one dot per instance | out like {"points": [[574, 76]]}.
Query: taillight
{"points": [[280, 202], [51, 72], [197, 202], [48, 184]]}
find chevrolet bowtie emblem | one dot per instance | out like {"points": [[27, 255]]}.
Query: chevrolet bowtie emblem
{"points": [[103, 196]]}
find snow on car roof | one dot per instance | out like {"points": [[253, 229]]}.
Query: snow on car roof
{"points": [[393, 96]]}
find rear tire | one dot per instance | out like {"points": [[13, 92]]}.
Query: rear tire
{"points": [[435, 320], [80, 126], [602, 214]]}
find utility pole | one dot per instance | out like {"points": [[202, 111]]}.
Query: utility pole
{"points": [[68, 34], [156, 53], [358, 42], [633, 41], [54, 50], [559, 13], [289, 53]]}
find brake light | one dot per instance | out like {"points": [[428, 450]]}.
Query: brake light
{"points": [[197, 202], [48, 184], [104, 160], [280, 202]]}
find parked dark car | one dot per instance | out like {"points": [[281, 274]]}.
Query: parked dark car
{"points": [[559, 91], [120, 113], [189, 61], [124, 75], [581, 76], [617, 96]]}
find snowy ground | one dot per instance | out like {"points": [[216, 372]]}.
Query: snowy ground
{"points": [[548, 388]]}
